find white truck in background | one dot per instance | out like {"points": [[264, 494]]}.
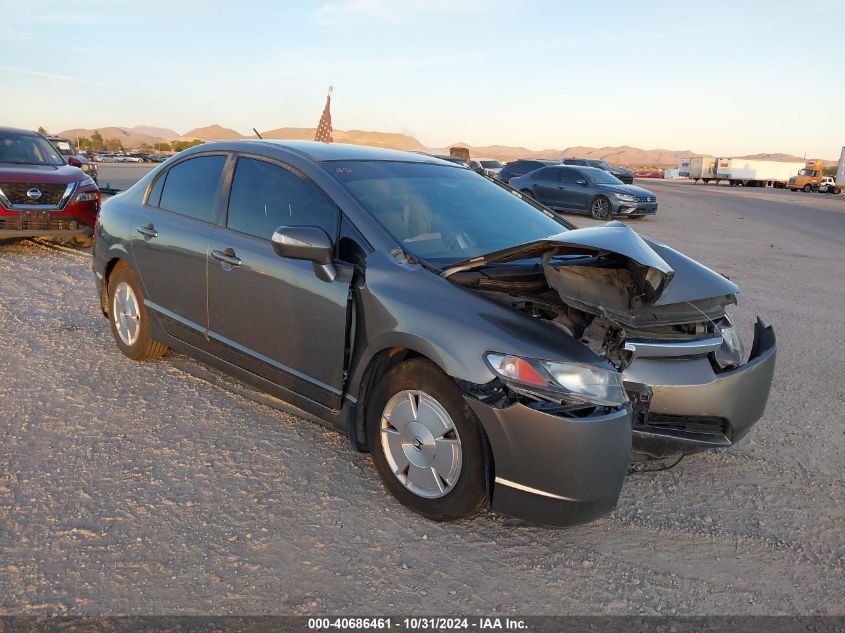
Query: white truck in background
{"points": [[702, 168], [749, 172]]}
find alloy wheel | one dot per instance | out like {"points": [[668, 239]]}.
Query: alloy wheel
{"points": [[421, 444], [126, 313], [601, 208]]}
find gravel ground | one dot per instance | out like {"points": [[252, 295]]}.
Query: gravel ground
{"points": [[165, 488]]}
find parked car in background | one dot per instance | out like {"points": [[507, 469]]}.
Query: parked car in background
{"points": [[457, 160], [521, 166], [73, 156], [586, 190], [648, 173], [622, 173], [482, 349], [41, 195], [486, 166]]}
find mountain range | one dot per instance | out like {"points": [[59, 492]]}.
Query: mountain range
{"points": [[133, 137]]}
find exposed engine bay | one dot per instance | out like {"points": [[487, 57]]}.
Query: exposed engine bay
{"points": [[584, 286]]}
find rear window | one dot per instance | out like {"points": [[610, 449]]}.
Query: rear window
{"points": [[191, 187]]}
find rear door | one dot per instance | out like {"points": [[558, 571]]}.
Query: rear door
{"points": [[271, 315], [546, 186], [171, 232]]}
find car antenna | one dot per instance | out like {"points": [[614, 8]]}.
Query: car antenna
{"points": [[257, 134]]}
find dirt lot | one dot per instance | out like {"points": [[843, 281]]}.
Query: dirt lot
{"points": [[164, 488]]}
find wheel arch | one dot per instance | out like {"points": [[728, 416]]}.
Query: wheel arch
{"points": [[378, 365], [108, 269]]}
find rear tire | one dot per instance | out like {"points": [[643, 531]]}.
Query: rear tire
{"points": [[600, 208], [128, 316], [426, 443]]}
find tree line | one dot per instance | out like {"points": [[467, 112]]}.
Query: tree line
{"points": [[96, 142]]}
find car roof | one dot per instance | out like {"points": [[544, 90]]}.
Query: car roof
{"points": [[16, 130], [320, 152]]}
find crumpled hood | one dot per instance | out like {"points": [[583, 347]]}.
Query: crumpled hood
{"points": [[609, 270]]}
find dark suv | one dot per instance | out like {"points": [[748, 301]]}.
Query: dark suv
{"points": [[40, 193], [622, 173], [521, 167], [73, 156]]}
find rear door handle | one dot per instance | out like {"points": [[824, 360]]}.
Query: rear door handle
{"points": [[227, 257], [148, 231]]}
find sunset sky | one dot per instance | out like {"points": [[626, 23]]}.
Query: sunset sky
{"points": [[713, 77]]}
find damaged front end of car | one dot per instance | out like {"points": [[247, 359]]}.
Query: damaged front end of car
{"points": [[656, 316]]}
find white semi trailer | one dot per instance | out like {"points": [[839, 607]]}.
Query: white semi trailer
{"points": [[750, 172]]}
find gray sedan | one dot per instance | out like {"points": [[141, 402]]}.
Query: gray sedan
{"points": [[483, 350], [586, 190]]}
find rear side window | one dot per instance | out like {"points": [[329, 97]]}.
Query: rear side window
{"points": [[265, 196], [191, 187], [548, 173]]}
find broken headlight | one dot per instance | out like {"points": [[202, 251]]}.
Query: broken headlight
{"points": [[569, 382], [731, 353]]}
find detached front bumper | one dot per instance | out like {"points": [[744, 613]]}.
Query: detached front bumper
{"points": [[555, 470], [683, 406]]}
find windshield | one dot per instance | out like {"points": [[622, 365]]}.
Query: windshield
{"points": [[600, 164], [491, 164], [441, 214], [27, 149], [64, 147], [601, 177]]}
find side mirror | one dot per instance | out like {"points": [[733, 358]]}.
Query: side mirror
{"points": [[581, 182], [73, 161], [308, 243]]}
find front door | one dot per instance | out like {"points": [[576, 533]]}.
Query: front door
{"points": [[573, 195], [271, 315], [170, 237]]}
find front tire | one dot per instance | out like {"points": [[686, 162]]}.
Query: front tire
{"points": [[807, 188], [426, 443], [600, 208], [128, 317]]}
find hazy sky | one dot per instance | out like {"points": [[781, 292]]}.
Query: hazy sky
{"points": [[716, 77]]}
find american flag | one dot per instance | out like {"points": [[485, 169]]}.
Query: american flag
{"points": [[324, 129]]}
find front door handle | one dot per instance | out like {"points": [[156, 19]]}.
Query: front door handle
{"points": [[227, 257], [148, 231]]}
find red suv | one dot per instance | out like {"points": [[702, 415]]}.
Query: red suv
{"points": [[41, 195]]}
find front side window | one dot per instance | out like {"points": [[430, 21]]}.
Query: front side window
{"points": [[28, 149], [190, 187], [441, 214], [266, 196], [570, 176]]}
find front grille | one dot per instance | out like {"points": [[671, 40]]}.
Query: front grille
{"points": [[16, 193], [38, 224]]}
